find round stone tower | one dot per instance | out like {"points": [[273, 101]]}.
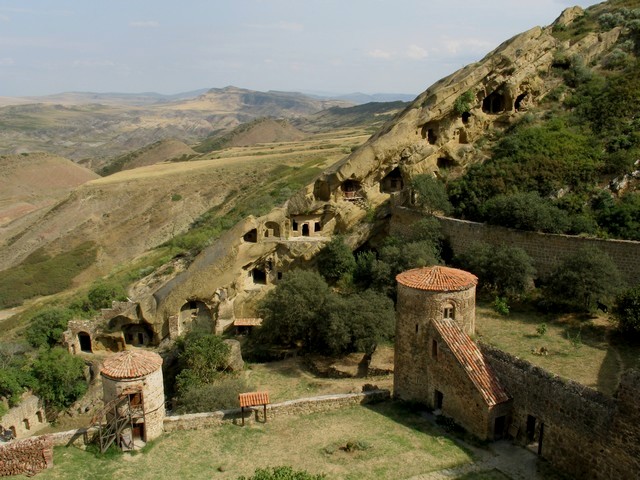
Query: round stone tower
{"points": [[134, 395], [426, 295]]}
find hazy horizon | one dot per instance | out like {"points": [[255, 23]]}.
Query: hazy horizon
{"points": [[371, 47]]}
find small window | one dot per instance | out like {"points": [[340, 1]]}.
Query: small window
{"points": [[40, 417], [294, 225], [279, 275], [416, 328], [434, 349], [317, 227], [26, 424], [447, 312]]}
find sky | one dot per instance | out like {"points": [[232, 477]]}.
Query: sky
{"points": [[332, 46]]}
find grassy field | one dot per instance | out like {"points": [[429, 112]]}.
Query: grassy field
{"points": [[397, 444], [578, 348]]}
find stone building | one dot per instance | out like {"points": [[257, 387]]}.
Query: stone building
{"points": [[436, 361], [133, 397], [26, 418]]}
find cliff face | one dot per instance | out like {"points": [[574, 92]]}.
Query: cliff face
{"points": [[438, 133]]}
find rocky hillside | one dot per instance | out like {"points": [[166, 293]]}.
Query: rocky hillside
{"points": [[449, 127]]}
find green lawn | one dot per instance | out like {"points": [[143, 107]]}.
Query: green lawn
{"points": [[398, 444]]}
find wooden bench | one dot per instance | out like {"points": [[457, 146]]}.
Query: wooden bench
{"points": [[253, 399]]}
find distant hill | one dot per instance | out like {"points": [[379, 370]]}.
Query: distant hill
{"points": [[262, 130], [360, 98], [157, 152], [103, 129], [370, 115], [31, 182]]}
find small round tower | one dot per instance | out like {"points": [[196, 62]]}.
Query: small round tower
{"points": [[426, 295], [134, 395]]}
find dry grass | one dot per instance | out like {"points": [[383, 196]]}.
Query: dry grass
{"points": [[289, 379], [578, 348], [401, 445]]}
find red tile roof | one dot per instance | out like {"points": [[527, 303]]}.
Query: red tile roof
{"points": [[131, 364], [247, 322], [253, 398], [470, 357], [437, 278]]}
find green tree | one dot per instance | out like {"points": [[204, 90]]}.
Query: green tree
{"points": [[335, 260], [102, 294], [431, 195], [47, 326], [222, 394], [627, 311], [581, 279], [504, 270], [526, 211], [292, 311], [464, 102], [59, 377], [282, 473], [202, 357]]}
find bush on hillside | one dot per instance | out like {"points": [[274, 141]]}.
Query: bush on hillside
{"points": [[282, 473], [47, 326], [202, 358], [431, 195], [526, 211], [59, 377], [335, 260]]}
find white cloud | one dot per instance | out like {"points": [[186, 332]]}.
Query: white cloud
{"points": [[6, 61], [144, 24], [416, 52], [286, 26], [378, 53]]}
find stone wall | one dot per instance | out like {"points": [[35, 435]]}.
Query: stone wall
{"points": [[26, 418], [302, 406], [546, 250], [584, 433], [28, 456]]}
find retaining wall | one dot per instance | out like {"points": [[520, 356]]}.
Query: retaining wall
{"points": [[546, 250], [302, 406]]}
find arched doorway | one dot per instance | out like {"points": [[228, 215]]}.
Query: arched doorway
{"points": [[195, 315], [84, 339]]}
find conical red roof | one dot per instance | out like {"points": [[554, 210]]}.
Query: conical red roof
{"points": [[131, 364], [437, 278]]}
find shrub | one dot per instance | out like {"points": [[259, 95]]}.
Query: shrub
{"points": [[201, 357], [501, 306], [101, 295], [282, 473], [59, 377], [526, 211], [583, 278], [507, 271], [464, 102], [335, 260], [221, 394], [431, 195], [541, 329], [627, 311], [47, 326]]}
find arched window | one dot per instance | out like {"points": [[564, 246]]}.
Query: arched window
{"points": [[448, 311]]}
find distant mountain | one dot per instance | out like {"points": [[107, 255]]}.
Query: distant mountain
{"points": [[104, 98], [361, 98]]}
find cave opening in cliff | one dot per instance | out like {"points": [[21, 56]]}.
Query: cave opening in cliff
{"points": [[272, 229], [445, 162], [321, 191], [494, 103], [84, 339], [251, 236], [137, 334], [259, 276], [392, 182], [465, 117], [351, 189], [519, 99]]}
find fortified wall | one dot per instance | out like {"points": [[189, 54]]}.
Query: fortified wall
{"points": [[546, 250], [577, 429], [25, 419]]}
